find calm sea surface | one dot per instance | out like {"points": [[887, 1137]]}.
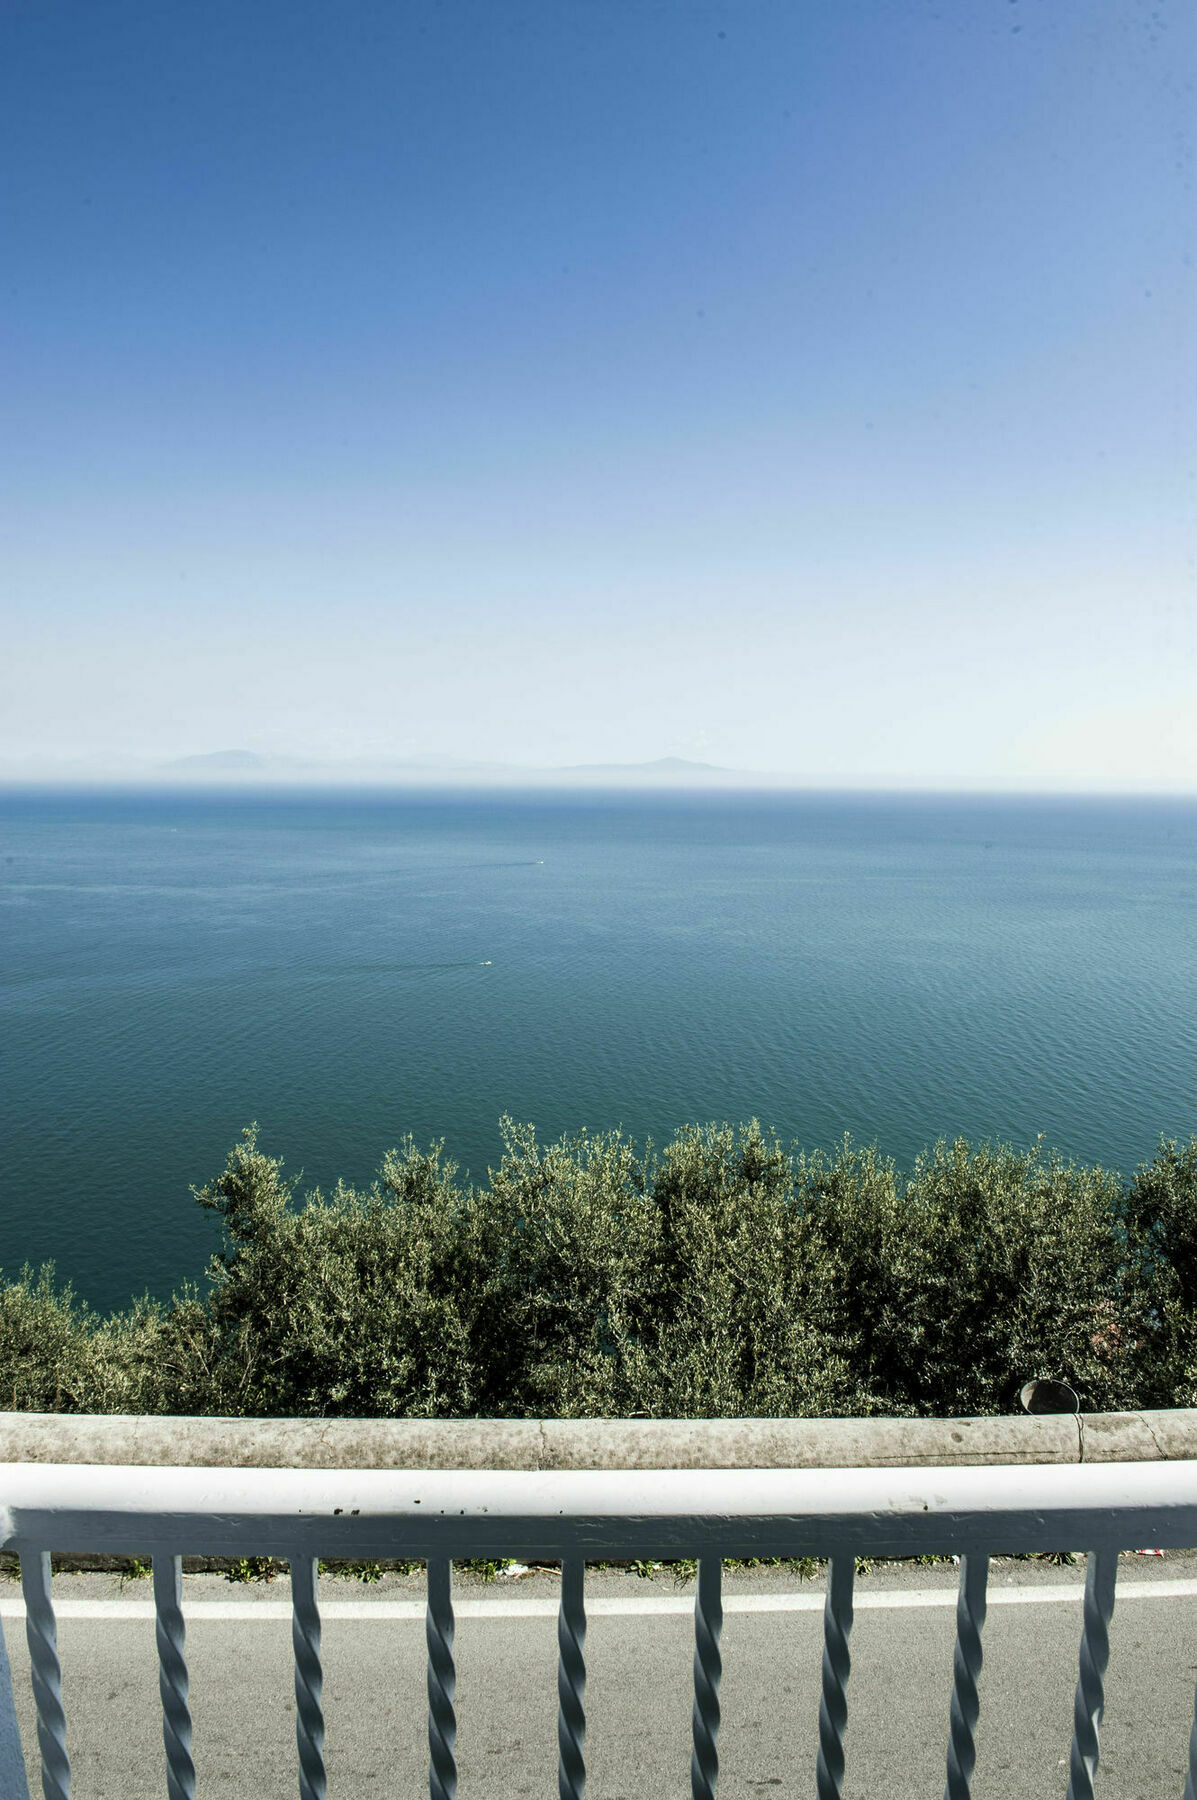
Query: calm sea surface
{"points": [[347, 970]]}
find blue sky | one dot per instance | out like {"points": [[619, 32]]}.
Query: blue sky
{"points": [[793, 386]]}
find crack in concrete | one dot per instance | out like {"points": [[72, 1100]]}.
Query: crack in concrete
{"points": [[1155, 1440]]}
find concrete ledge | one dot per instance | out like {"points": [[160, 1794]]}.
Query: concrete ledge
{"points": [[592, 1444]]}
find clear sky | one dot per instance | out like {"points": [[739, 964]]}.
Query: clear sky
{"points": [[801, 385]]}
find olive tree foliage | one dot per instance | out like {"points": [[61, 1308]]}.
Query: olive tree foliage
{"points": [[1000, 1266], [351, 1304], [567, 1233], [738, 1324], [1160, 1212], [58, 1355], [421, 1298], [725, 1275]]}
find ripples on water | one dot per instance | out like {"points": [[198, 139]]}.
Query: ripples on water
{"points": [[345, 970]]}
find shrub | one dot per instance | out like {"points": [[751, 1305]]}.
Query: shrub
{"points": [[725, 1275]]}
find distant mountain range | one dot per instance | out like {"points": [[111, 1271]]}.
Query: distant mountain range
{"points": [[248, 769], [225, 762], [668, 766], [251, 766]]}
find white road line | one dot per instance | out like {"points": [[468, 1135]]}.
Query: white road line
{"points": [[658, 1605]]}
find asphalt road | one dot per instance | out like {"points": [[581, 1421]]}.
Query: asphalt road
{"points": [[639, 1692]]}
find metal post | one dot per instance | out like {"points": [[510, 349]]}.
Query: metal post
{"points": [[1089, 1705], [837, 1666], [571, 1681], [1190, 1792], [708, 1669], [170, 1631], [442, 1681], [966, 1670], [309, 1678], [14, 1784], [42, 1636]]}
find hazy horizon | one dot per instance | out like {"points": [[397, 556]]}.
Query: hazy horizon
{"points": [[226, 773], [809, 392]]}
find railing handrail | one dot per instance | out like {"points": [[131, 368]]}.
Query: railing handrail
{"points": [[551, 1514], [597, 1444], [573, 1491]]}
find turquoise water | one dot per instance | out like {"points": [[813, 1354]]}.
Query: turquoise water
{"points": [[346, 970]]}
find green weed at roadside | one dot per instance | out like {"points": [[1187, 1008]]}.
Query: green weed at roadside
{"points": [[255, 1568]]}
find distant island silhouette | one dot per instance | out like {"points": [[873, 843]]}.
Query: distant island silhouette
{"points": [[252, 765]]}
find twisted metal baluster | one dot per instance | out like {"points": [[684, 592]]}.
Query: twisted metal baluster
{"points": [[1191, 1778], [708, 1668], [442, 1681], [1100, 1577], [13, 1782], [966, 1668], [837, 1666], [172, 1676], [571, 1681], [42, 1637], [309, 1678]]}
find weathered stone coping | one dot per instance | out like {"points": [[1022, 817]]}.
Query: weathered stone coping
{"points": [[540, 1444]]}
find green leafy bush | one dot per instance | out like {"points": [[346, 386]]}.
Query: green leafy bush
{"points": [[725, 1275]]}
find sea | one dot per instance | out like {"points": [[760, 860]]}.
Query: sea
{"points": [[346, 969]]}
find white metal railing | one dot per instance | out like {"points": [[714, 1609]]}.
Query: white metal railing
{"points": [[570, 1516]]}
